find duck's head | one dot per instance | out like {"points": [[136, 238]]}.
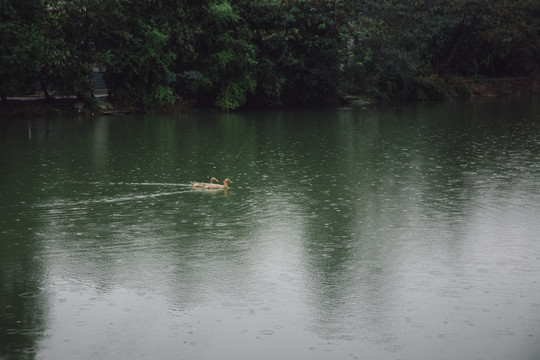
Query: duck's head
{"points": [[227, 180], [214, 179]]}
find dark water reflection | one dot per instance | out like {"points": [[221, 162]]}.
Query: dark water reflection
{"points": [[400, 232]]}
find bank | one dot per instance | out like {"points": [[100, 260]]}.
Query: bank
{"points": [[492, 87], [430, 88]]}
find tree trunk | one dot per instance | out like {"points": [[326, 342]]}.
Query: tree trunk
{"points": [[45, 92]]}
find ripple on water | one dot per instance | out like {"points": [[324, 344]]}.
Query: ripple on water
{"points": [[32, 332], [505, 332], [28, 295]]}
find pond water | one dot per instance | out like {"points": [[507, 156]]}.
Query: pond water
{"points": [[403, 231]]}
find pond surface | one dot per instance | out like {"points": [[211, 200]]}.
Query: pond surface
{"points": [[404, 231]]}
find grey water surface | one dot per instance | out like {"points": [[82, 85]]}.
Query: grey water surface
{"points": [[401, 231]]}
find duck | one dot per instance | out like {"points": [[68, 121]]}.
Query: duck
{"points": [[218, 186], [202, 184]]}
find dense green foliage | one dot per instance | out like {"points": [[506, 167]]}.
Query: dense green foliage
{"points": [[21, 45], [233, 53]]}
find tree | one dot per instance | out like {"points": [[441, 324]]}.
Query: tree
{"points": [[72, 32], [136, 57], [493, 38], [232, 53], [385, 48], [223, 69], [21, 45], [299, 49]]}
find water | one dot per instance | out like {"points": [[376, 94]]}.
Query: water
{"points": [[406, 231]]}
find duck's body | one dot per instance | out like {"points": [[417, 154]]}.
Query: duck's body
{"points": [[218, 186], [202, 184]]}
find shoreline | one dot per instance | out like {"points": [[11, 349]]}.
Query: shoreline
{"points": [[34, 106]]}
